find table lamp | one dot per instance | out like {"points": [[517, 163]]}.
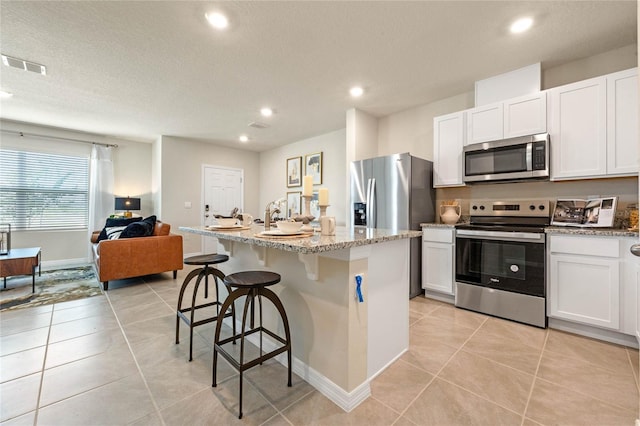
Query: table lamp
{"points": [[127, 204]]}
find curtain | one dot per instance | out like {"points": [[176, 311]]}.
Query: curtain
{"points": [[100, 187]]}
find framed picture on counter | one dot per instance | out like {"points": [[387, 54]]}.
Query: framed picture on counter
{"points": [[314, 206], [313, 167], [294, 172], [293, 203]]}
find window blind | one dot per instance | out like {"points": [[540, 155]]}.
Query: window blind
{"points": [[41, 191]]}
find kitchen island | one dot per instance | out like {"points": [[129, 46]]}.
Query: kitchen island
{"points": [[339, 342]]}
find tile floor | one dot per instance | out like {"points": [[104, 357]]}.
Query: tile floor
{"points": [[112, 360]]}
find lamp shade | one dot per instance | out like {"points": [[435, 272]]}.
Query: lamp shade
{"points": [[127, 203]]}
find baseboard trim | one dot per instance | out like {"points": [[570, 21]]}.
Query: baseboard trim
{"points": [[594, 332], [48, 265], [343, 399]]}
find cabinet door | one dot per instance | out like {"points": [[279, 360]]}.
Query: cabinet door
{"points": [[577, 125], [448, 141], [585, 289], [622, 123], [437, 267], [484, 123], [526, 115]]}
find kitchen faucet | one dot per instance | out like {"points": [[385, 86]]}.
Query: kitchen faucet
{"points": [[269, 212]]}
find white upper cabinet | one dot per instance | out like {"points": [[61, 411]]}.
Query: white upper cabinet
{"points": [[448, 142], [521, 116], [577, 127], [622, 123], [526, 115], [484, 123]]}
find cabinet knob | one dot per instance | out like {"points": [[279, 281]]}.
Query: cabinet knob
{"points": [[635, 250]]}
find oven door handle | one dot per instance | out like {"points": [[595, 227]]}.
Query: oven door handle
{"points": [[529, 237]]}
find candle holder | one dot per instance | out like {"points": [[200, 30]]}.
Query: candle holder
{"points": [[306, 217], [323, 210]]}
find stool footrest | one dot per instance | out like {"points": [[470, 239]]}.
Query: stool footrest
{"points": [[203, 321], [252, 363]]}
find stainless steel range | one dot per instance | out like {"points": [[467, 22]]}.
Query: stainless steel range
{"points": [[500, 260]]}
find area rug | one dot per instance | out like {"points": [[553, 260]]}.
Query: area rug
{"points": [[54, 286]]}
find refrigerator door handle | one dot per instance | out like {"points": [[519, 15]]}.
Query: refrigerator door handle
{"points": [[372, 218]]}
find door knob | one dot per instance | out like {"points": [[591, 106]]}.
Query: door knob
{"points": [[635, 249]]}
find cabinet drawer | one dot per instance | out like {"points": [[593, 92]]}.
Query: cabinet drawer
{"points": [[436, 235], [587, 246]]}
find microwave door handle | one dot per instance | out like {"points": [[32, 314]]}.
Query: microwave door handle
{"points": [[529, 157]]}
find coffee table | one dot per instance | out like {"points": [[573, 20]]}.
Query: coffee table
{"points": [[22, 261]]}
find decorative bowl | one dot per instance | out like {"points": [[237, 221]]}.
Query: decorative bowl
{"points": [[227, 221], [286, 226]]}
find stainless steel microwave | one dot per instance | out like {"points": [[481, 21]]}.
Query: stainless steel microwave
{"points": [[525, 157]]}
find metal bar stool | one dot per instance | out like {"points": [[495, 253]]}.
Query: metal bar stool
{"points": [[187, 314], [251, 284]]}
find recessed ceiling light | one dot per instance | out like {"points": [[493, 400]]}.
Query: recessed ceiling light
{"points": [[217, 20], [5, 95], [521, 25], [356, 91], [266, 112], [244, 138]]}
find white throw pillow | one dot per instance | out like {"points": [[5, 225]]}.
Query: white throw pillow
{"points": [[113, 233]]}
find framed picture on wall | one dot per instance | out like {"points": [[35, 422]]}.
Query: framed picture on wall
{"points": [[294, 172], [293, 203], [313, 167]]}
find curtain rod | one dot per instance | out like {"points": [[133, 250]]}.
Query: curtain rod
{"points": [[22, 134]]}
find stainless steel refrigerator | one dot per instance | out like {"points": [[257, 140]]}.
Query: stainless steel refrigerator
{"points": [[394, 192]]}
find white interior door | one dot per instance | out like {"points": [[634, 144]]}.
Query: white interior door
{"points": [[223, 190]]}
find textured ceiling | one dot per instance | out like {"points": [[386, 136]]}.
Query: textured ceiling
{"points": [[139, 70]]}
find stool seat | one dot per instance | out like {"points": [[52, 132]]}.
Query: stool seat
{"points": [[206, 259], [252, 279]]}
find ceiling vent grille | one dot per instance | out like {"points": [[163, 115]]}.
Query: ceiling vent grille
{"points": [[24, 65], [258, 125]]}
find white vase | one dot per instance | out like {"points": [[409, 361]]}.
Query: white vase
{"points": [[449, 214]]}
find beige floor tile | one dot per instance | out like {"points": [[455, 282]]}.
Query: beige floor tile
{"points": [[504, 350], [634, 359], [607, 355], [525, 334], [87, 301], [443, 403], [23, 420], [80, 376], [152, 419], [116, 403], [19, 396], [82, 311], [181, 377], [219, 406], [82, 327], [426, 353], [580, 376], [404, 421], [154, 328], [424, 305], [121, 287], [317, 410], [270, 379], [529, 422], [399, 384], [144, 312], [84, 346], [18, 323], [552, 404], [496, 382], [437, 330], [21, 363], [151, 352], [459, 316], [277, 420], [414, 316], [17, 342]]}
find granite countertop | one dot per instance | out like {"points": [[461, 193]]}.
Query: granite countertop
{"points": [[602, 232], [437, 225], [315, 243]]}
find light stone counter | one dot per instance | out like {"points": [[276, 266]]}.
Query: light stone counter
{"points": [[338, 342], [601, 232], [437, 225]]}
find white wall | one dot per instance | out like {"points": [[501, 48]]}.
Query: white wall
{"points": [[180, 180], [273, 171], [132, 169]]}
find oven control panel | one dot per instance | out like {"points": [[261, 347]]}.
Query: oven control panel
{"points": [[530, 208]]}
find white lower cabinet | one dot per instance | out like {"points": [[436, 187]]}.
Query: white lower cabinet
{"points": [[437, 260], [591, 281]]}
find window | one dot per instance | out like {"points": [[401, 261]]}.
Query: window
{"points": [[41, 191]]}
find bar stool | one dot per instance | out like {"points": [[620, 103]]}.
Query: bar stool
{"points": [[205, 261], [251, 284]]}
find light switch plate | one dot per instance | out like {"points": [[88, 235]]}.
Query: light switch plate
{"points": [[187, 204]]}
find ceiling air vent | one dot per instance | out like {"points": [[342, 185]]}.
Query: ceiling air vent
{"points": [[258, 125], [24, 65]]}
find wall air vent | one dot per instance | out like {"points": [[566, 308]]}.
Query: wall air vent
{"points": [[258, 125], [24, 65]]}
